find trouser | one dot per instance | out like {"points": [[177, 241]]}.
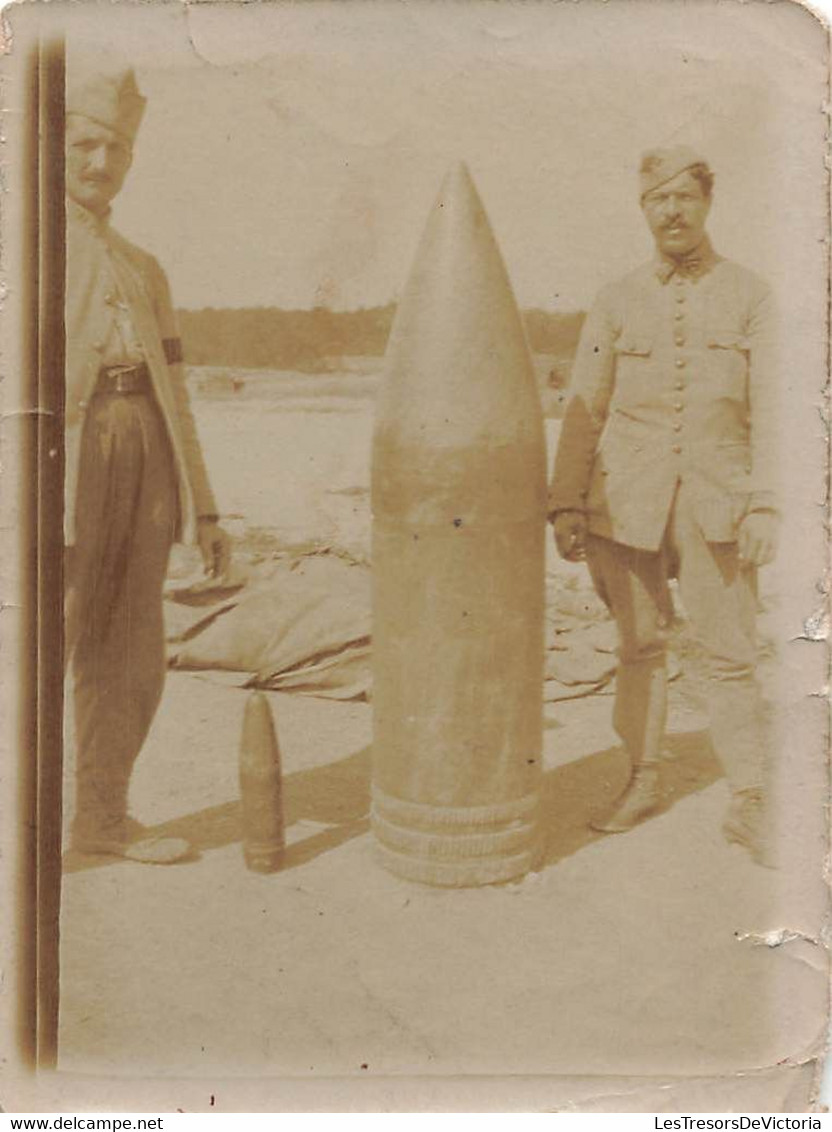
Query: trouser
{"points": [[720, 598], [126, 516]]}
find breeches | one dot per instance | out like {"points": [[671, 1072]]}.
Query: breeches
{"points": [[720, 598], [126, 519]]}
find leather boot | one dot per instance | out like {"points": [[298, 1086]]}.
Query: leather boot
{"points": [[640, 799], [748, 824]]}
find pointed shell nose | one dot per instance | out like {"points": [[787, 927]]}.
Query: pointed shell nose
{"points": [[458, 379], [457, 186]]}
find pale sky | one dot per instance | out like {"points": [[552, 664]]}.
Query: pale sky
{"points": [[290, 153]]}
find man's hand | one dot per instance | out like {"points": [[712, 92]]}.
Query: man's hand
{"points": [[570, 535], [214, 546], [757, 538]]}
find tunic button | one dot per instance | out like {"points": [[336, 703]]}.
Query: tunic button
{"points": [[680, 384], [82, 405], [677, 426], [679, 406], [98, 345], [677, 448], [680, 298], [680, 363], [678, 316], [679, 340]]}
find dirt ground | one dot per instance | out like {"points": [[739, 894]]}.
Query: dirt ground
{"points": [[621, 954]]}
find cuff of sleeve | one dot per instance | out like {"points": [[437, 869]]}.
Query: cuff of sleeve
{"points": [[763, 501], [553, 512]]}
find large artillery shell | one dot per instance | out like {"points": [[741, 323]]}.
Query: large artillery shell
{"points": [[261, 788], [459, 502]]}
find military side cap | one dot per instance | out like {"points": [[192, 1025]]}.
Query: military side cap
{"points": [[661, 165], [110, 98]]}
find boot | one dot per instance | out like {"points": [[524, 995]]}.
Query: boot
{"points": [[639, 717], [640, 799], [748, 824]]}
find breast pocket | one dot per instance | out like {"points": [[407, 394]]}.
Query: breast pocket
{"points": [[633, 367], [728, 353], [634, 345]]}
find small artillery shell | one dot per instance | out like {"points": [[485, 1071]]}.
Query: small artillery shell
{"points": [[261, 788]]}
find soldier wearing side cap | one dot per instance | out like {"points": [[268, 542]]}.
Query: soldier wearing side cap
{"points": [[665, 468], [135, 477]]}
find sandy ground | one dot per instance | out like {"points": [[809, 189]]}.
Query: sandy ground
{"points": [[620, 954]]}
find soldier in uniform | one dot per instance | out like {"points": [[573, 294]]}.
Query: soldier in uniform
{"points": [[135, 478], [664, 468]]}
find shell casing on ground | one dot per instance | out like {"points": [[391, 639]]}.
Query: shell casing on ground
{"points": [[261, 788]]}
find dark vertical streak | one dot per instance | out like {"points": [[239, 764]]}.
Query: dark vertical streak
{"points": [[50, 545], [26, 903]]}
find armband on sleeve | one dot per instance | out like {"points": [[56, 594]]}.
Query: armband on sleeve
{"points": [[173, 350]]}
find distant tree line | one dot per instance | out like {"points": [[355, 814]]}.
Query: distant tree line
{"points": [[272, 338]]}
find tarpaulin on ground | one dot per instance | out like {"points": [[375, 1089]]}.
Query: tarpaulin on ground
{"points": [[303, 625], [303, 628]]}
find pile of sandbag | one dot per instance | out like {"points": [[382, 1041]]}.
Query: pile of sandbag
{"points": [[303, 625]]}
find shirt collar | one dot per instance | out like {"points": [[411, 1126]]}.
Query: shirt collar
{"points": [[79, 215], [695, 264]]}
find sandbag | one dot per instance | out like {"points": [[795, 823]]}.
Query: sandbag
{"points": [[306, 629], [304, 626]]}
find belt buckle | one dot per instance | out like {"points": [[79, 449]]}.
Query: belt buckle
{"points": [[126, 380]]}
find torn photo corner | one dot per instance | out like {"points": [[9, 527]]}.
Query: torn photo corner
{"points": [[415, 658]]}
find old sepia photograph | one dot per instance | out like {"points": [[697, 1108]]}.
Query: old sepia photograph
{"points": [[415, 514]]}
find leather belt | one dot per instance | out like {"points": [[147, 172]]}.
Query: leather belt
{"points": [[124, 380]]}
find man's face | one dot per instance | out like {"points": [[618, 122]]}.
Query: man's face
{"points": [[676, 213], [97, 161]]}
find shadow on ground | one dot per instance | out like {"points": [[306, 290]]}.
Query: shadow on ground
{"points": [[336, 795], [588, 787]]}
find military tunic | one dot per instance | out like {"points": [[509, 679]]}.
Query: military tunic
{"points": [[667, 443]]}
